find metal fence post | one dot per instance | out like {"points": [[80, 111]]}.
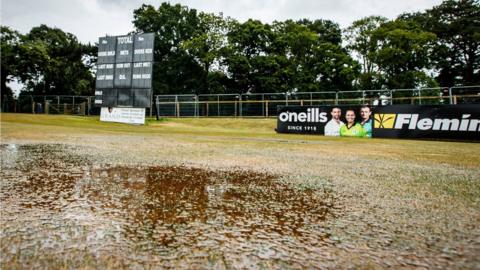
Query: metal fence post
{"points": [[196, 106], [450, 95], [240, 107], [33, 104], [157, 106], [218, 105], [89, 104], [266, 108], [336, 98], [177, 107], [235, 101], [391, 97], [263, 105]]}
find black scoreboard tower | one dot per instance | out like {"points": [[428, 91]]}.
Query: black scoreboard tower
{"points": [[124, 71]]}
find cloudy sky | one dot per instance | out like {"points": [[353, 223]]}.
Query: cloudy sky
{"points": [[90, 19]]}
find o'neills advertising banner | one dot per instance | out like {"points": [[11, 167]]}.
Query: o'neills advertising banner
{"points": [[395, 121], [123, 115]]}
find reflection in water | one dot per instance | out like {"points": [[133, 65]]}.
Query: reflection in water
{"points": [[159, 215]]}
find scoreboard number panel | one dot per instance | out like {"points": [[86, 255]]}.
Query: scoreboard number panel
{"points": [[105, 74], [106, 50], [142, 75], [124, 51], [125, 70], [123, 75], [143, 47]]}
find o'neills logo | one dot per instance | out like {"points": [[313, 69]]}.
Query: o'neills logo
{"points": [[412, 121], [313, 115]]}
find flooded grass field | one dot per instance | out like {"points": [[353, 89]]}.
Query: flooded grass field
{"points": [[159, 215], [76, 193]]}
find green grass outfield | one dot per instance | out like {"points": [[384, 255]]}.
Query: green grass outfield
{"points": [[394, 198], [232, 130], [232, 138]]}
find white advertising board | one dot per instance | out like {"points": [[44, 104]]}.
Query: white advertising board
{"points": [[123, 115]]}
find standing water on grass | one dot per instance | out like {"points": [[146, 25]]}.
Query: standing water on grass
{"points": [[59, 210]]}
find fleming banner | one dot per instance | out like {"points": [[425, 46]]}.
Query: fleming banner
{"points": [[461, 122]]}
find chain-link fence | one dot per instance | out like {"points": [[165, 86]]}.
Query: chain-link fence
{"points": [[247, 105]]}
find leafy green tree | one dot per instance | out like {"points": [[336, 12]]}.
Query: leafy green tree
{"points": [[403, 54], [175, 70], [246, 55], [51, 62], [364, 46], [295, 42], [289, 56], [327, 31], [9, 42], [207, 47], [315, 59], [334, 68], [457, 53]]}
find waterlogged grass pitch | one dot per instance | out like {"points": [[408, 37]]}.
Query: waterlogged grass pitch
{"points": [[231, 193]]}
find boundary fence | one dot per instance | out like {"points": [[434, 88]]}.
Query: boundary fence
{"points": [[247, 105], [265, 104], [53, 104]]}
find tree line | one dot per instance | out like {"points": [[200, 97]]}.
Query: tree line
{"points": [[205, 53]]}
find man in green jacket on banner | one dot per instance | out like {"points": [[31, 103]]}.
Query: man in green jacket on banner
{"points": [[366, 122]]}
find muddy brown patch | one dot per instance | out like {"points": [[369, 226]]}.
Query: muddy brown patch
{"points": [[173, 214]]}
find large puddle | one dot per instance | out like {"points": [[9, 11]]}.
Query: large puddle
{"points": [[59, 209]]}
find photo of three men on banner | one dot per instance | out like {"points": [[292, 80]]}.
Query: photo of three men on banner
{"points": [[336, 121], [350, 122]]}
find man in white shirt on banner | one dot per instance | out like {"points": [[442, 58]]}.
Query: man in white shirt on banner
{"points": [[332, 128]]}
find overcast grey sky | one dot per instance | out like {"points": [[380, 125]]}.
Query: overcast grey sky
{"points": [[90, 19]]}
